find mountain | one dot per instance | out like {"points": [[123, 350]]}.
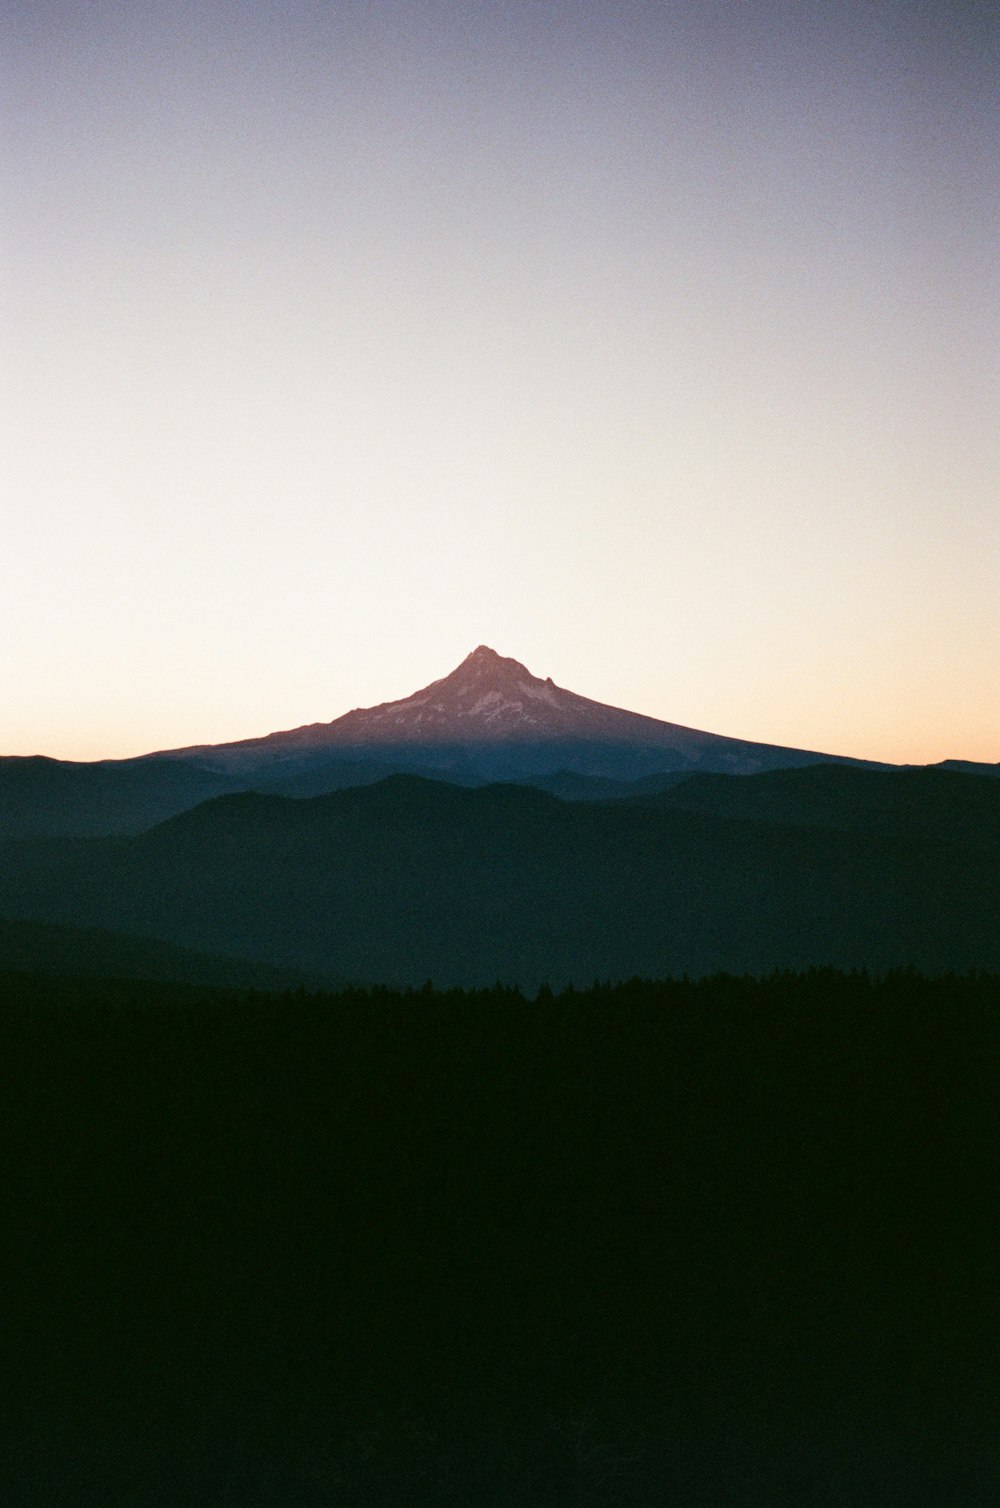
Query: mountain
{"points": [[411, 879], [491, 719]]}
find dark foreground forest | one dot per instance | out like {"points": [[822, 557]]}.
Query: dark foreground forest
{"points": [[732, 1241]]}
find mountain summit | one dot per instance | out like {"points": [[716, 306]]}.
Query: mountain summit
{"points": [[491, 718], [488, 697]]}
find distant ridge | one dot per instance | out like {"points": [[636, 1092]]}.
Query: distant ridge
{"points": [[40, 795], [966, 767]]}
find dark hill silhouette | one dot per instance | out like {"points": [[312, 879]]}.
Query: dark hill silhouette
{"points": [[968, 766], [89, 953], [573, 787], [412, 879], [920, 803], [63, 798], [56, 796]]}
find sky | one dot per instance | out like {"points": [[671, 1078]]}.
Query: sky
{"points": [[654, 345]]}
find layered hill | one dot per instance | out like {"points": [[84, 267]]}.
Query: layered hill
{"points": [[83, 799], [411, 879]]}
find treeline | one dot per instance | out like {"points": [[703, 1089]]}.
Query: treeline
{"points": [[730, 1239]]}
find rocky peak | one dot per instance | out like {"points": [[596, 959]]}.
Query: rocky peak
{"points": [[487, 696], [485, 667]]}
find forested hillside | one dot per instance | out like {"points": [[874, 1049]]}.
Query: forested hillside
{"points": [[728, 1241]]}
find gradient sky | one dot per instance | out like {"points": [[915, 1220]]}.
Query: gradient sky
{"points": [[655, 345]]}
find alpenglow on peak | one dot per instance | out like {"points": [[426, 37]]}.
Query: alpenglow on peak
{"points": [[491, 717]]}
